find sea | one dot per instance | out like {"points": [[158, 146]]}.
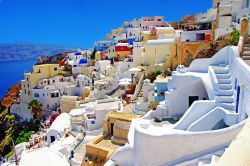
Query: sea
{"points": [[12, 72]]}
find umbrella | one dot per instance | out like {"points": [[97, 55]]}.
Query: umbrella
{"points": [[125, 80], [124, 83]]}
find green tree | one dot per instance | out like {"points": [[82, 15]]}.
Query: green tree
{"points": [[36, 108], [234, 38], [92, 55]]}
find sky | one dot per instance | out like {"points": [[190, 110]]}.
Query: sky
{"points": [[79, 23]]}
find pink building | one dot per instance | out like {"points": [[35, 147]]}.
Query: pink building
{"points": [[155, 21]]}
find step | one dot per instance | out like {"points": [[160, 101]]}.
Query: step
{"points": [[246, 48], [214, 159], [229, 106], [224, 92], [224, 81], [245, 57], [223, 65], [223, 76], [204, 162], [220, 70], [246, 45], [224, 99], [225, 86], [247, 62], [246, 53]]}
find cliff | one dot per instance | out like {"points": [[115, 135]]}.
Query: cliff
{"points": [[12, 95], [25, 51]]}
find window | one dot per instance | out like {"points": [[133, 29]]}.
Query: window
{"points": [[54, 95], [162, 93], [28, 85], [39, 71], [25, 92], [47, 105], [36, 95], [28, 92], [27, 79], [53, 81], [52, 139], [55, 68]]}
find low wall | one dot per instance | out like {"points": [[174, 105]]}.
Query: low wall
{"points": [[173, 145]]}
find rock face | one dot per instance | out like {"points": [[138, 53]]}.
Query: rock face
{"points": [[12, 95], [25, 51], [52, 59]]}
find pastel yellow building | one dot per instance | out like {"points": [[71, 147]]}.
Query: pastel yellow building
{"points": [[31, 79], [164, 32], [157, 51], [146, 36]]}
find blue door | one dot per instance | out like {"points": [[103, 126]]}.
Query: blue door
{"points": [[237, 99]]}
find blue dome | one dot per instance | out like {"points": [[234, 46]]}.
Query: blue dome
{"points": [[78, 53], [83, 61]]}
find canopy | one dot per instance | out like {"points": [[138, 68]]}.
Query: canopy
{"points": [[134, 69]]}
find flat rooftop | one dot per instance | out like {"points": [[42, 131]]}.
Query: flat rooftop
{"points": [[106, 142], [123, 116]]}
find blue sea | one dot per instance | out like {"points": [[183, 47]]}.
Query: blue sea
{"points": [[12, 72]]}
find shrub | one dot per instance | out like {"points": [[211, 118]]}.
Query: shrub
{"points": [[152, 76], [158, 72], [153, 105], [23, 136], [234, 38]]}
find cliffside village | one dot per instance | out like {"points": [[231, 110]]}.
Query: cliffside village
{"points": [[150, 93]]}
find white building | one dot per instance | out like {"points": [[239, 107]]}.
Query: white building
{"points": [[42, 157], [197, 35], [48, 96], [49, 91], [95, 112], [101, 65], [59, 128], [213, 97]]}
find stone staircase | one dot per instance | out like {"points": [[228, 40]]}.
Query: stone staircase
{"points": [[245, 55]]}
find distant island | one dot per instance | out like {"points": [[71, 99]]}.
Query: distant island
{"points": [[26, 51]]}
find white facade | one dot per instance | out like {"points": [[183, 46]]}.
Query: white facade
{"points": [[101, 65], [137, 53], [59, 128], [207, 126], [123, 66], [48, 96], [93, 118], [192, 35]]}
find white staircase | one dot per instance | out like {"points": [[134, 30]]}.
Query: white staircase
{"points": [[224, 92], [208, 159], [138, 88]]}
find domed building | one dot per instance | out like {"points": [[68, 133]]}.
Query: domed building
{"points": [[83, 62]]}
